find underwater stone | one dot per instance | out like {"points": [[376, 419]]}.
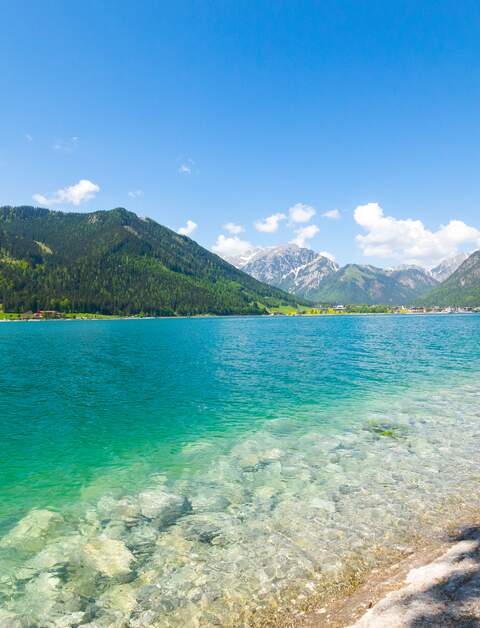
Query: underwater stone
{"points": [[30, 531], [203, 531], [119, 598], [126, 510], [71, 620], [41, 596], [54, 559], [141, 540], [164, 508], [108, 556], [322, 504], [10, 620], [210, 503]]}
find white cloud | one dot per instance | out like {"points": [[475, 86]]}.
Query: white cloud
{"points": [[304, 234], [226, 246], [270, 224], [233, 228], [188, 229], [82, 191], [328, 255], [300, 213], [68, 145], [135, 193], [333, 214], [408, 240]]}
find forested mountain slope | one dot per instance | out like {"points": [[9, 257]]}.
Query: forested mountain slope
{"points": [[115, 262], [355, 283], [462, 288]]}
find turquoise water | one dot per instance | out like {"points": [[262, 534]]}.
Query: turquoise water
{"points": [[294, 442]]}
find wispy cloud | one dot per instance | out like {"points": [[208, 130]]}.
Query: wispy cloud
{"points": [[270, 224], [333, 214], [304, 234], [186, 167], [300, 213], [81, 192], [135, 193], [29, 137], [408, 240], [188, 229], [68, 145], [233, 228]]}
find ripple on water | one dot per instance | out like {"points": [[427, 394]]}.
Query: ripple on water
{"points": [[287, 506]]}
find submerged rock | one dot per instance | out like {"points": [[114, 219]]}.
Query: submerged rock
{"points": [[110, 557], [54, 559], [9, 619], [323, 504], [210, 502], [44, 597], [30, 532], [162, 507], [121, 597], [125, 510], [202, 531], [141, 540]]}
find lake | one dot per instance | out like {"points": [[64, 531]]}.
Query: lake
{"points": [[214, 471]]}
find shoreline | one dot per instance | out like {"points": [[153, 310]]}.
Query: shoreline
{"points": [[431, 584], [227, 316], [364, 600]]}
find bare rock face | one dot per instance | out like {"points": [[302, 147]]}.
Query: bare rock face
{"points": [[315, 276], [448, 266], [292, 268], [30, 532]]}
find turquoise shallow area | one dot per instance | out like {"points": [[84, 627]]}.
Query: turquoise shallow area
{"points": [[209, 471], [108, 401]]}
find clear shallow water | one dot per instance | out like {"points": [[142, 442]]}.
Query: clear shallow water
{"points": [[222, 461]]}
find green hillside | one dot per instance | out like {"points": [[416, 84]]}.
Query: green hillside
{"points": [[369, 285], [460, 289], [113, 262]]}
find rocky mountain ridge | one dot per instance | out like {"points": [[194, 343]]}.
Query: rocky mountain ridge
{"points": [[306, 273]]}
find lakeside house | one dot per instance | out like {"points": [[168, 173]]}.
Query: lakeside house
{"points": [[46, 314]]}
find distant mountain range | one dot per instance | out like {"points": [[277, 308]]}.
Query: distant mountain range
{"points": [[357, 283], [316, 277], [114, 262], [461, 288]]}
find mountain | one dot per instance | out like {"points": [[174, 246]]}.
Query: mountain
{"points": [[369, 285], [239, 261], [311, 275], [115, 262], [306, 279], [413, 278], [449, 266], [292, 268], [462, 288]]}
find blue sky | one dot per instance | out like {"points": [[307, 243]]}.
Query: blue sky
{"points": [[233, 112]]}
